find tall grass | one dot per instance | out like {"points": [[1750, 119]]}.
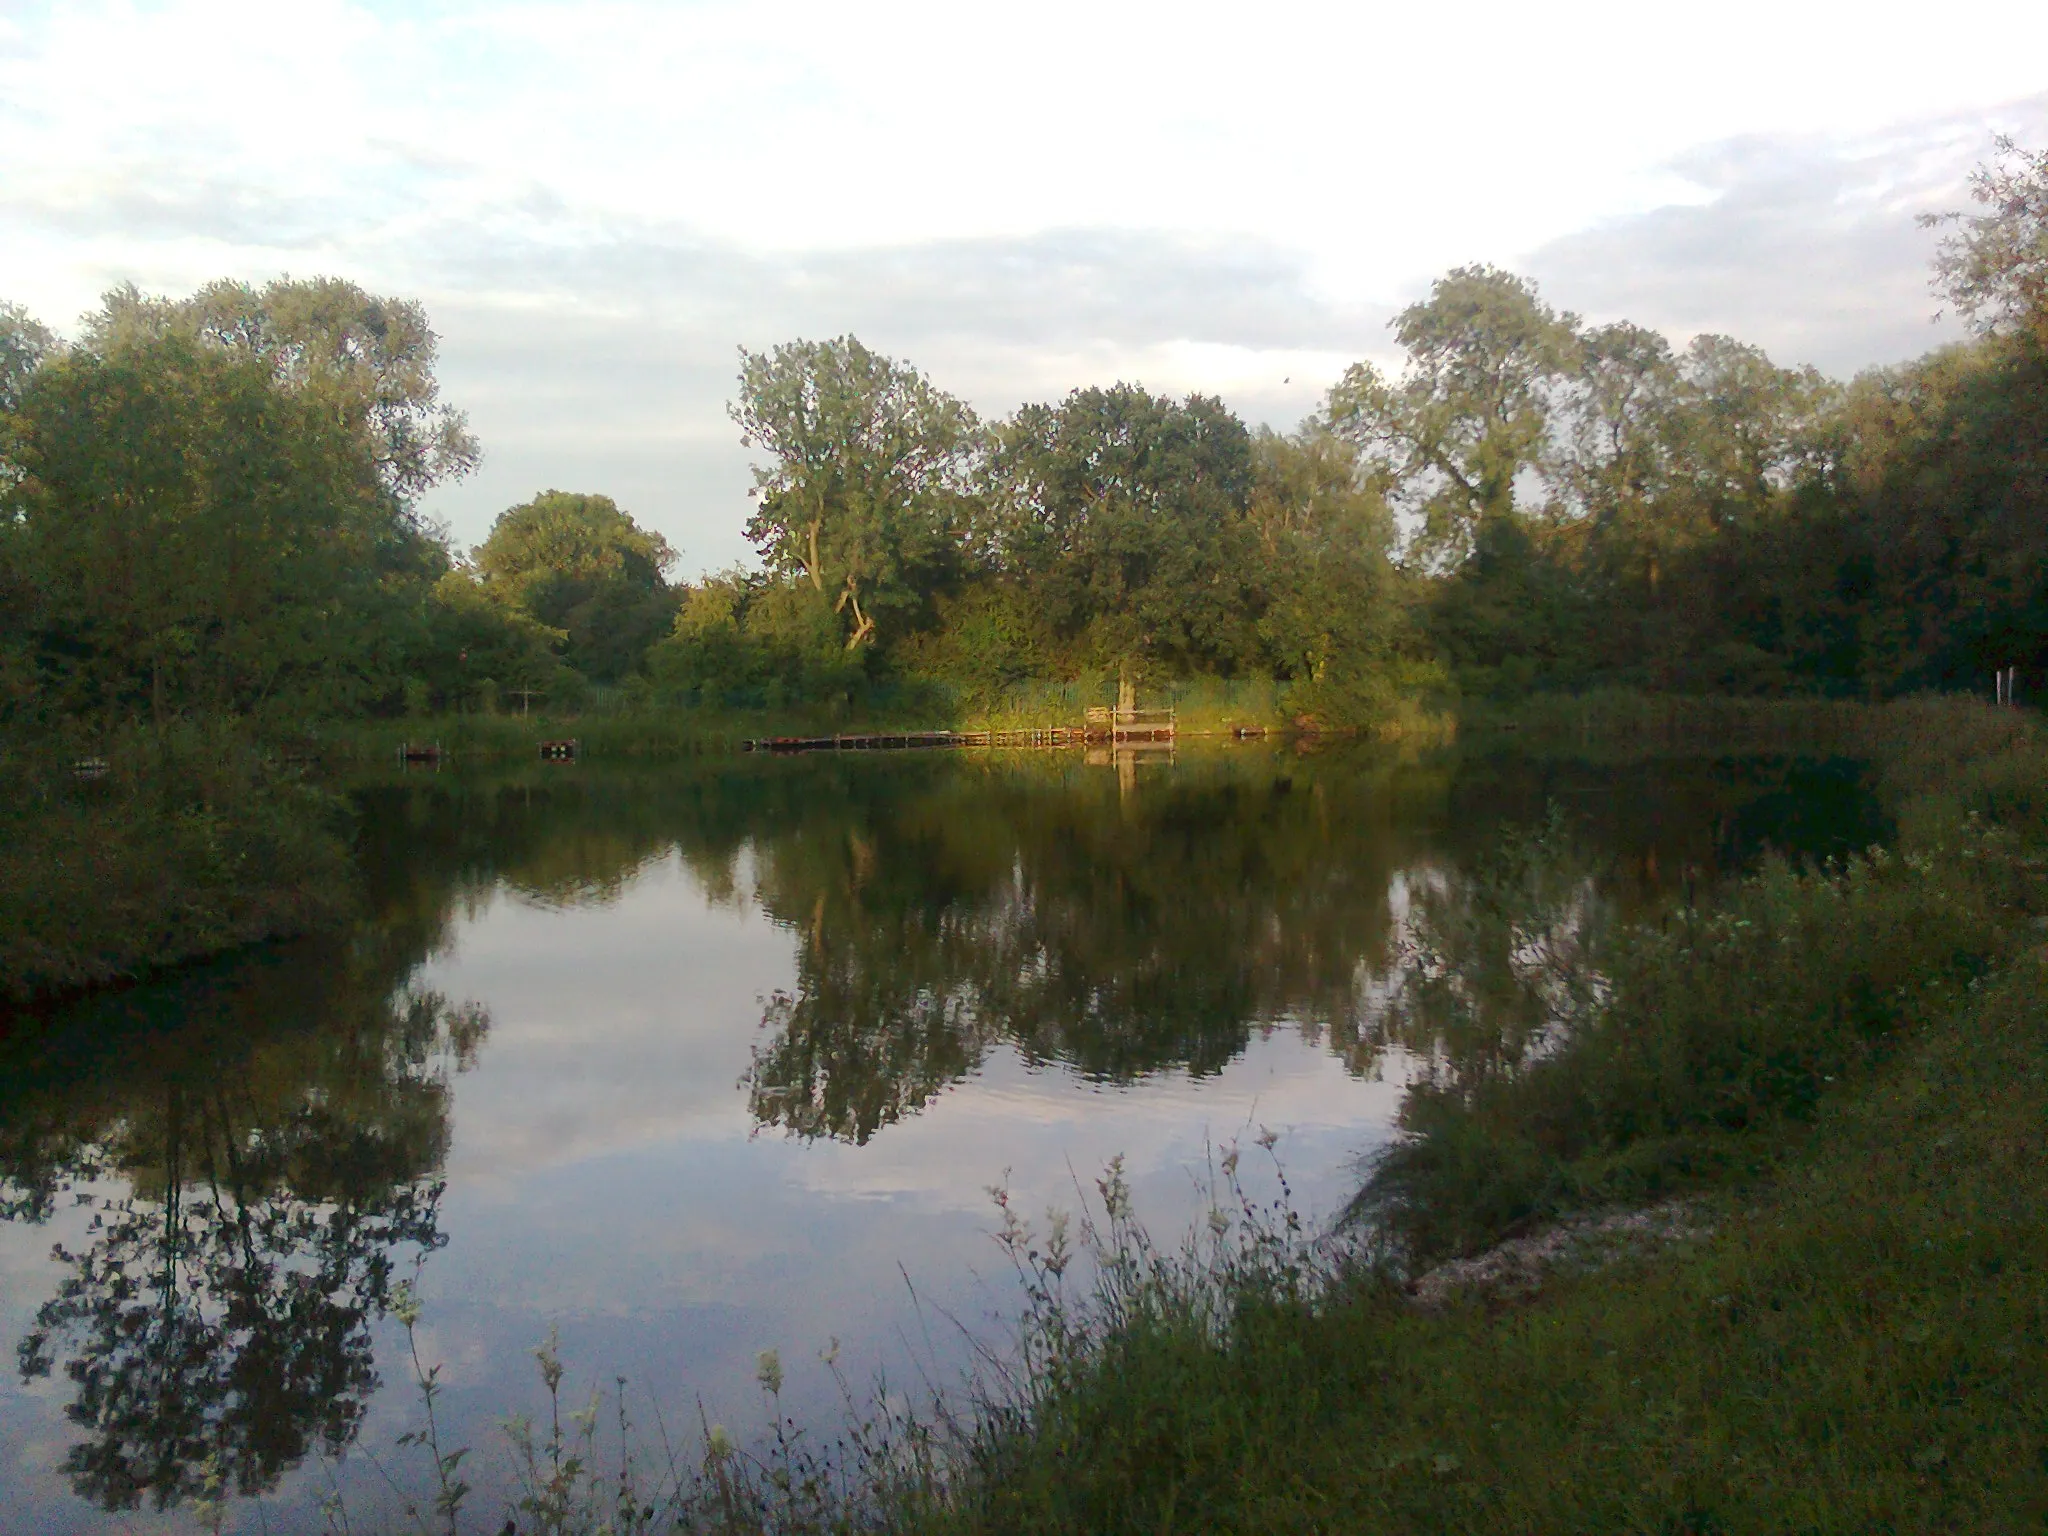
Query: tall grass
{"points": [[1853, 1347]]}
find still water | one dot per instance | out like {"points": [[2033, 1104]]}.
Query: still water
{"points": [[693, 1061]]}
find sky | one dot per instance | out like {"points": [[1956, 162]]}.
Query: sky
{"points": [[600, 203]]}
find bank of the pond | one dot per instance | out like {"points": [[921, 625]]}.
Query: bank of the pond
{"points": [[1855, 1347], [649, 727]]}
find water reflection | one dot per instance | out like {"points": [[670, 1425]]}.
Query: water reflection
{"points": [[245, 1162], [235, 1165], [1124, 933], [1119, 933]]}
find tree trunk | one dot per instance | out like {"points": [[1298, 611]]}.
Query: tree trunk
{"points": [[863, 626]]}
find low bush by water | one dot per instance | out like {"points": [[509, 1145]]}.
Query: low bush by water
{"points": [[160, 848]]}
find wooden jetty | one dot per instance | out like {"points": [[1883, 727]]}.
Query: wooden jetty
{"points": [[1127, 723], [1103, 726], [420, 752], [897, 741]]}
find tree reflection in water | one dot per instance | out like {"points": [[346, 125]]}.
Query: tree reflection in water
{"points": [[1120, 933], [1124, 928], [256, 1149]]}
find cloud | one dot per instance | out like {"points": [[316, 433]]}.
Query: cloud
{"points": [[608, 360], [599, 205], [1808, 246]]}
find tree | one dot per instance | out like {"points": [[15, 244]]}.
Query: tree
{"points": [[862, 497], [1471, 414], [472, 638], [750, 640], [1123, 513], [1618, 479], [198, 537], [1325, 537], [579, 564], [24, 345], [1619, 411], [1993, 267], [1750, 428], [368, 360]]}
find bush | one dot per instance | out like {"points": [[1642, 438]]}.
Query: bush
{"points": [[1575, 1064], [185, 844]]}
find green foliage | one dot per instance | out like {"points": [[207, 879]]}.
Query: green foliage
{"points": [[187, 842], [471, 636], [578, 565], [863, 496], [196, 538], [1579, 1061], [989, 640], [744, 642], [1122, 513], [367, 362], [1472, 413], [1334, 613]]}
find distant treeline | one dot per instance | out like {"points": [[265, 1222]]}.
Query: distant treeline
{"points": [[210, 508]]}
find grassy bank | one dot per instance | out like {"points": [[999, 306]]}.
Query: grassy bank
{"points": [[173, 847], [1855, 1348], [652, 728], [1608, 723]]}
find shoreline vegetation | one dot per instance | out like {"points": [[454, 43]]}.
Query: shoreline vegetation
{"points": [[211, 526], [159, 850]]}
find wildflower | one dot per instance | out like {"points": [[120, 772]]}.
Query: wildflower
{"points": [[768, 1371], [719, 1442]]}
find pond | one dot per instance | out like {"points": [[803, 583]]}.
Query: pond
{"points": [[690, 1061]]}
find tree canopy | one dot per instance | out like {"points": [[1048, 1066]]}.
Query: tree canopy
{"points": [[862, 493], [197, 538], [211, 504], [579, 565], [369, 360]]}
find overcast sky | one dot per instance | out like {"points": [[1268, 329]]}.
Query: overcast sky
{"points": [[600, 202]]}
